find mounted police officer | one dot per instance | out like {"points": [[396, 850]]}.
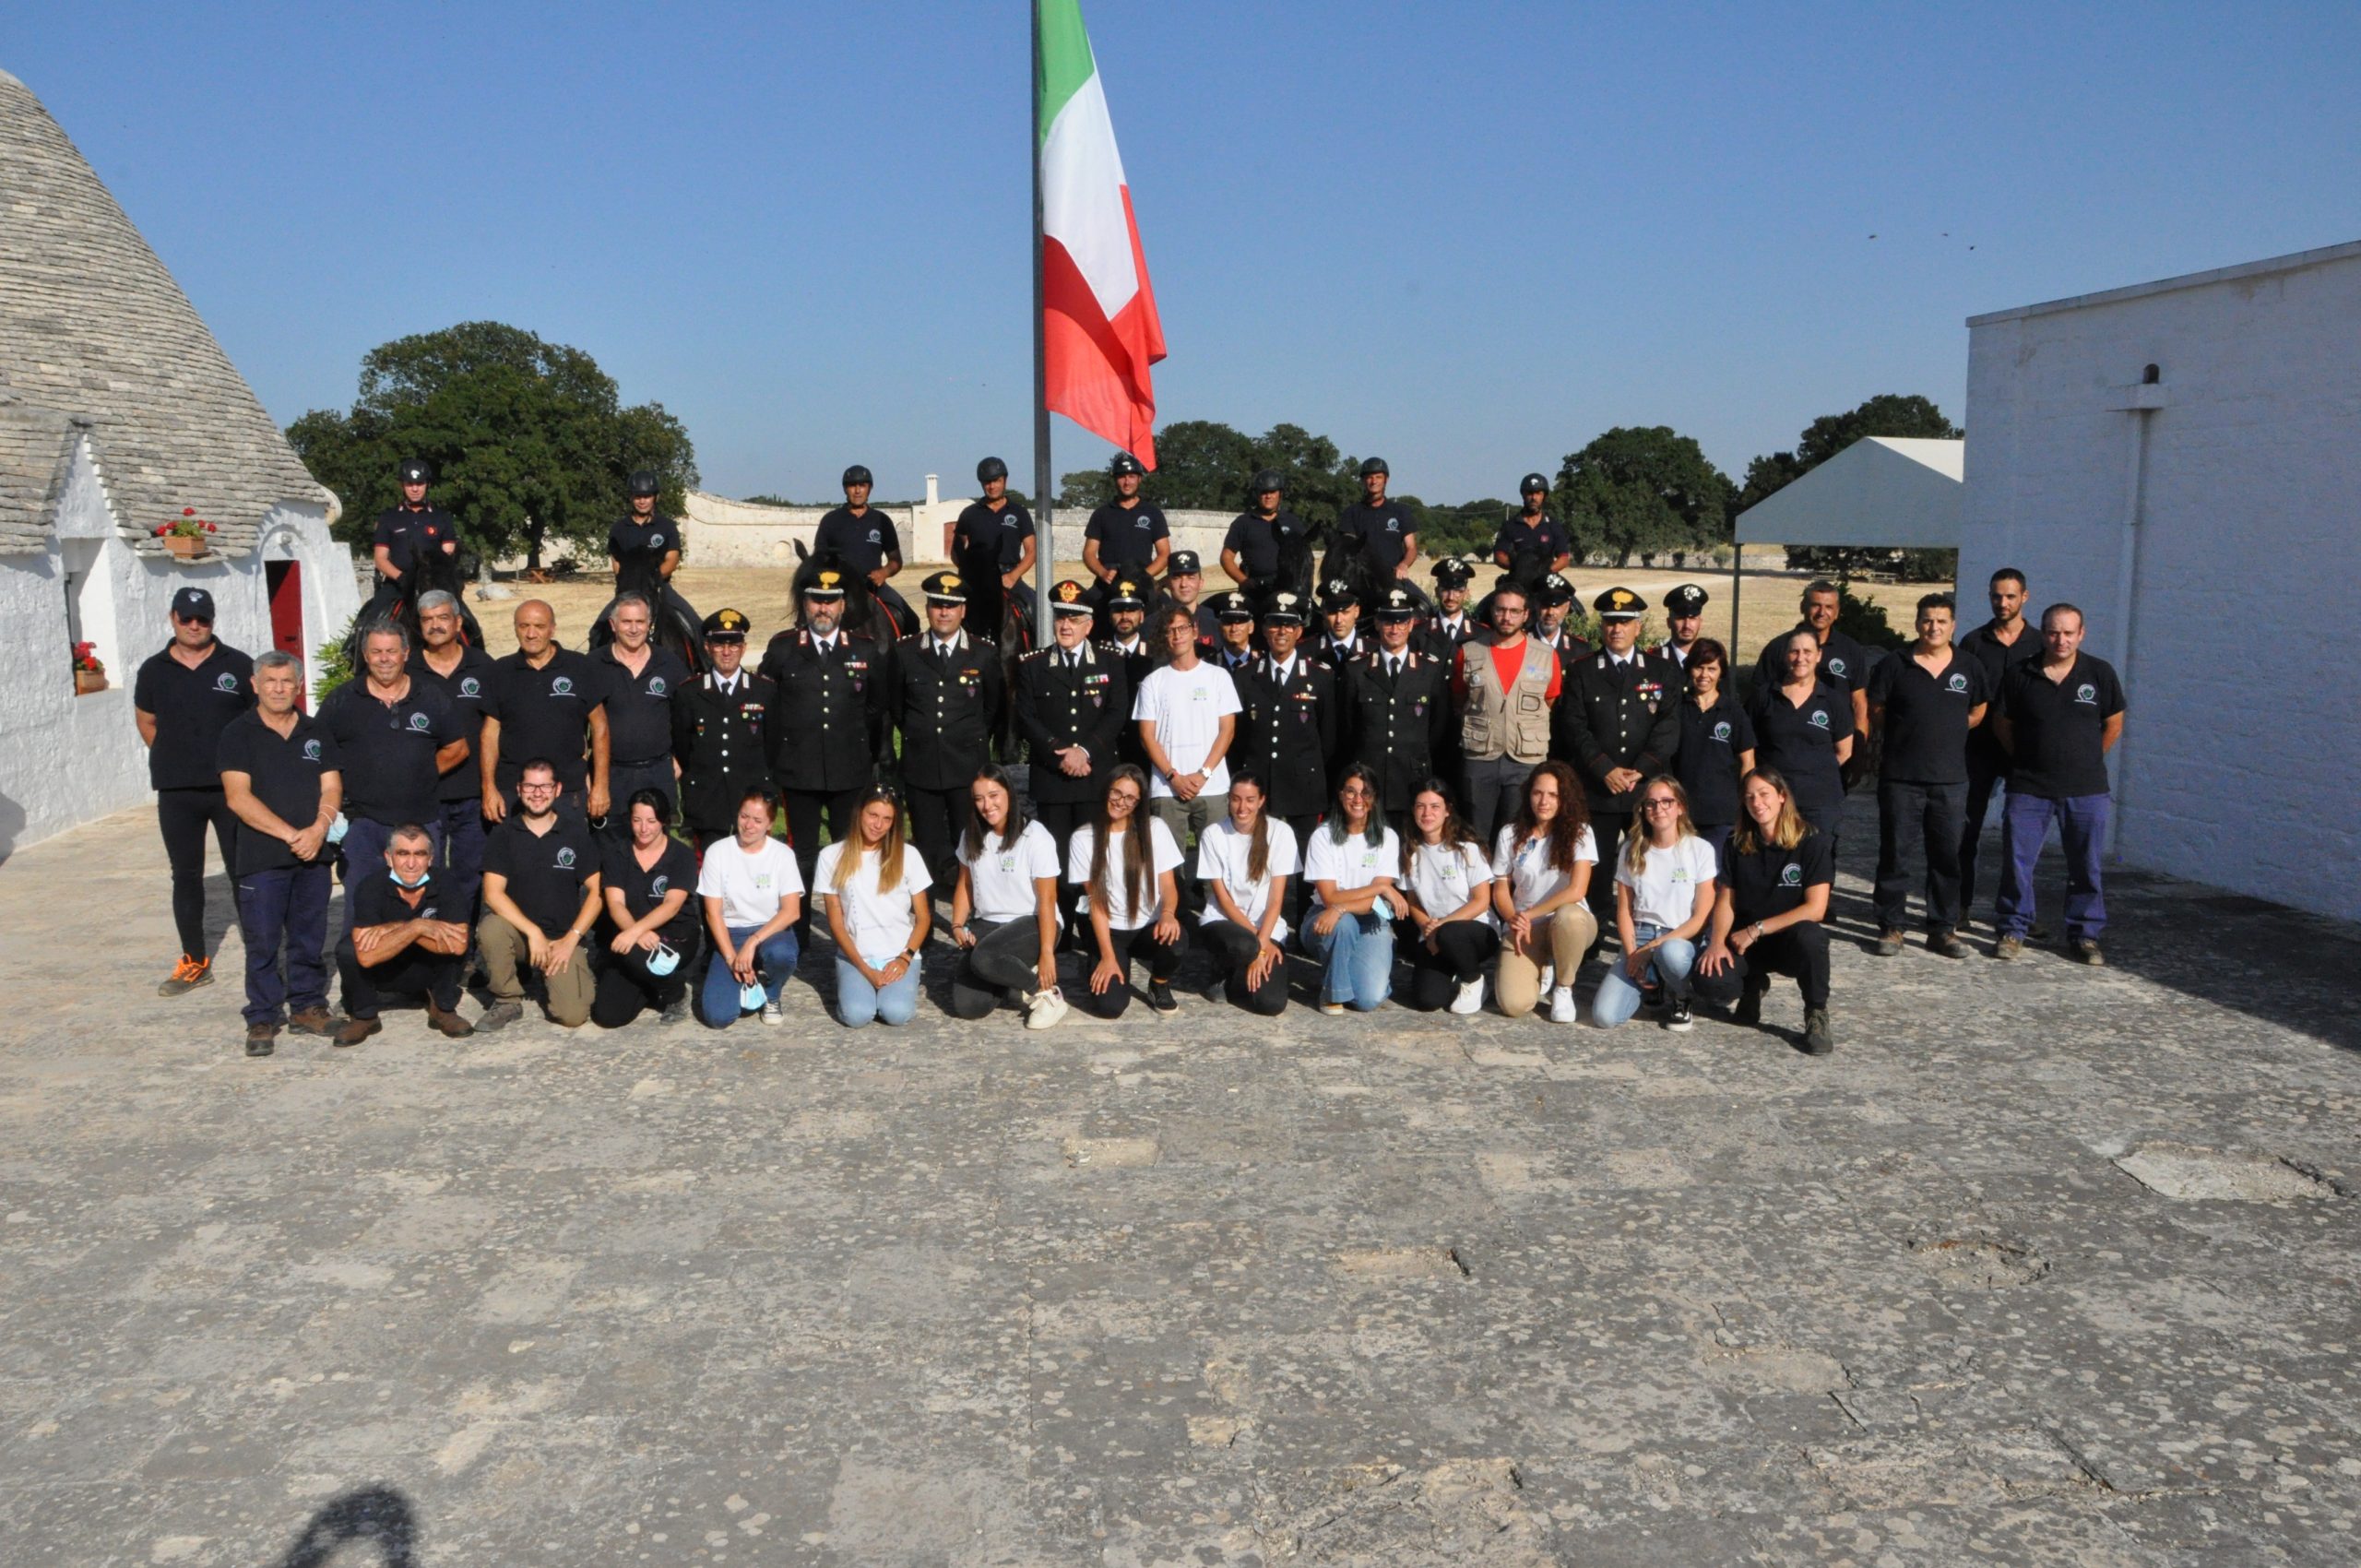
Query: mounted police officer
{"points": [[1381, 531], [1074, 703], [416, 549], [996, 528], [869, 542], [827, 732], [945, 696], [1249, 551], [1128, 536], [1397, 712], [718, 732], [1619, 723], [1288, 723]]}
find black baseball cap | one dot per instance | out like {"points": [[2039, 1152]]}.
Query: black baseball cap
{"points": [[192, 604]]}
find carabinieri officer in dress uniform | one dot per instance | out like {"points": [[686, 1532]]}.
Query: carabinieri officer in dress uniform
{"points": [[828, 733], [1397, 712], [1073, 704], [1453, 624], [1288, 720], [718, 732], [944, 693], [1617, 725]]}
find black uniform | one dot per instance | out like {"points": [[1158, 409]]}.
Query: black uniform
{"points": [[947, 706], [864, 542], [1136, 664], [458, 795], [1843, 664], [1378, 534], [1443, 643], [1616, 714], [191, 708], [1287, 732], [545, 713], [1127, 536], [1706, 763], [1336, 655], [639, 550], [1922, 779], [1400, 724], [826, 735], [1987, 763], [639, 724], [1541, 544], [1765, 885], [996, 536], [717, 738], [1256, 539], [373, 899], [410, 534], [1079, 699], [1800, 743]]}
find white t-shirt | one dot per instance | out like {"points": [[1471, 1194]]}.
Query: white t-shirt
{"points": [[1001, 879], [1526, 865], [1187, 707], [1444, 876], [1351, 865], [879, 919], [1163, 855], [750, 886], [1666, 894], [1222, 854]]}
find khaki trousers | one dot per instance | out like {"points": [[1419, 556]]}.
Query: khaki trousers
{"points": [[1562, 939], [508, 954]]}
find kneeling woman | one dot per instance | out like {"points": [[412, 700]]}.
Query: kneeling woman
{"points": [[648, 880], [1450, 889], [874, 887], [1541, 871], [1351, 867], [1664, 898], [1126, 869], [752, 894], [1245, 861], [1767, 918], [1005, 909]]}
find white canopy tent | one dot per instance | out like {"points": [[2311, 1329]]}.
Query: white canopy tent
{"points": [[1883, 489]]}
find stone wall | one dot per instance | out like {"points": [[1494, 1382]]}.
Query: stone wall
{"points": [[2237, 767]]}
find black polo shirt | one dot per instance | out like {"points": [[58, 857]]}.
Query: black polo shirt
{"points": [[863, 541], [409, 532], [546, 872], [546, 712], [1127, 535], [1000, 535], [1985, 754], [1257, 539], [1545, 541], [284, 775], [1926, 717], [632, 541], [1802, 743], [1706, 764], [376, 900], [2059, 728], [192, 707], [1380, 532], [388, 749], [467, 688], [1843, 663], [639, 707], [644, 889], [1773, 881]]}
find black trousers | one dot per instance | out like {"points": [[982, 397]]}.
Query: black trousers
{"points": [[625, 780], [1465, 949], [1800, 951], [1932, 812], [804, 808], [1982, 784], [1608, 828], [937, 819], [1161, 960], [1234, 949], [412, 973], [1004, 959], [1062, 818], [1299, 887], [183, 815], [626, 987]]}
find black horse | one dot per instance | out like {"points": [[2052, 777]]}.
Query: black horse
{"points": [[994, 612], [674, 622], [864, 611], [1350, 565], [398, 602]]}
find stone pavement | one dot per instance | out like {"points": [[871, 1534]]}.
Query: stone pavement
{"points": [[2044, 1265]]}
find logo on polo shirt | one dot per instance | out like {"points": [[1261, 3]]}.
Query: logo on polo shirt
{"points": [[225, 682], [876, 538], [563, 687], [565, 860], [2083, 693], [1836, 666], [1791, 874], [655, 539], [1722, 730], [311, 751], [659, 885], [419, 722], [1819, 718], [656, 685], [1958, 682], [470, 687]]}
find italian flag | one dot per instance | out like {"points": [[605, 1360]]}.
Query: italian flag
{"points": [[1099, 329]]}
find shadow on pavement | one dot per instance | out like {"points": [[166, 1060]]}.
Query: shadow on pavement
{"points": [[378, 1516]]}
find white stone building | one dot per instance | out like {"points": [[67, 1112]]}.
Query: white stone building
{"points": [[118, 409], [2182, 460]]}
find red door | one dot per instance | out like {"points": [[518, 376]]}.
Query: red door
{"points": [[285, 581]]}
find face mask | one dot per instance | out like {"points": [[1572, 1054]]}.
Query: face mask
{"points": [[400, 882], [664, 960], [753, 996]]}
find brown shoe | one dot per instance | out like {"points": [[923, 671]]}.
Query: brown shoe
{"points": [[312, 1021], [353, 1032], [451, 1024], [261, 1038]]}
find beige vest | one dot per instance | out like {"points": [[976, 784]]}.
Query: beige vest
{"points": [[1512, 721]]}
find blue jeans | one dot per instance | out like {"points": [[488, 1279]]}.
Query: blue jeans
{"points": [[2082, 830], [773, 964], [1358, 956], [1618, 998], [288, 907], [364, 852], [858, 1002], [461, 859]]}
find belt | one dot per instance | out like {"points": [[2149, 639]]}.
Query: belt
{"points": [[643, 762]]}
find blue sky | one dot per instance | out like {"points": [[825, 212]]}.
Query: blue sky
{"points": [[1468, 237]]}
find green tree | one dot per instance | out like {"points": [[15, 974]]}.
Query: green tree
{"points": [[1903, 416], [528, 439], [1643, 490], [1202, 465]]}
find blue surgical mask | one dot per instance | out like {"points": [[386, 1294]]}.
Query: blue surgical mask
{"points": [[399, 882]]}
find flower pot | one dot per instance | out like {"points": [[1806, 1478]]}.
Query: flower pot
{"points": [[89, 680], [189, 547]]}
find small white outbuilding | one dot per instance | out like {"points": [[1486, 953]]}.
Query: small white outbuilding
{"points": [[117, 410], [2182, 460]]}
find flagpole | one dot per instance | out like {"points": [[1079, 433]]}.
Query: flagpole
{"points": [[1045, 557]]}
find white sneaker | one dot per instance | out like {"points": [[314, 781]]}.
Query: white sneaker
{"points": [[771, 1014], [1561, 1004], [1470, 998], [1046, 1009], [1549, 978]]}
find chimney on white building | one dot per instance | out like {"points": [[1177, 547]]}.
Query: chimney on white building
{"points": [[931, 498]]}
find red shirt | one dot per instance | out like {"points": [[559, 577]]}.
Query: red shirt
{"points": [[1507, 663]]}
